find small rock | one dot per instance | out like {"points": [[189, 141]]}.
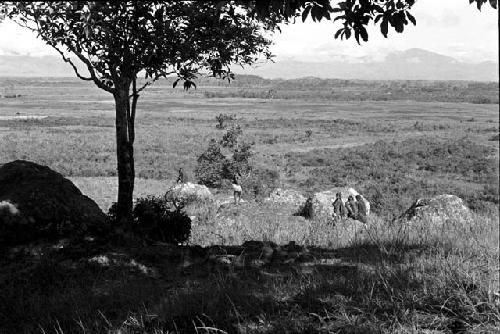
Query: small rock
{"points": [[257, 263], [267, 252], [225, 260]]}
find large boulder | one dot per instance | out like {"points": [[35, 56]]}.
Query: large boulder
{"points": [[286, 196], [437, 210], [189, 192], [39, 203], [320, 204]]}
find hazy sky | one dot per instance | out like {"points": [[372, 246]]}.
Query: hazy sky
{"points": [[450, 27]]}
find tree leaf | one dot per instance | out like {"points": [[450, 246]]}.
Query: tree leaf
{"points": [[305, 13], [337, 34], [411, 18], [384, 27]]}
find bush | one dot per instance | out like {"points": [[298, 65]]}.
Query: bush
{"points": [[241, 159], [230, 138], [308, 134], [480, 100], [211, 166], [223, 120], [495, 138], [261, 182], [157, 219]]}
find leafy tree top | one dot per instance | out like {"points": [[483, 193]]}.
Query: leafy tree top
{"points": [[118, 39]]}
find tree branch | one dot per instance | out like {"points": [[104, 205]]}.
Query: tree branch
{"points": [[93, 75], [68, 60]]}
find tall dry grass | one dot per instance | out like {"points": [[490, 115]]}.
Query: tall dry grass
{"points": [[382, 278], [391, 278]]}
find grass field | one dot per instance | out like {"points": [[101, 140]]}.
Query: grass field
{"points": [[385, 281]]}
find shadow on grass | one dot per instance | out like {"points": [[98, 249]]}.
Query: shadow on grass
{"points": [[358, 289]]}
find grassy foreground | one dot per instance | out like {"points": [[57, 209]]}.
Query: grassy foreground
{"points": [[388, 279]]}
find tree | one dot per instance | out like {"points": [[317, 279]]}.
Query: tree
{"points": [[118, 41]]}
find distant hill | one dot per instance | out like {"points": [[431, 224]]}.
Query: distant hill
{"points": [[28, 66], [412, 64]]}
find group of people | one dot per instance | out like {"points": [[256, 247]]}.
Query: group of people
{"points": [[354, 208]]}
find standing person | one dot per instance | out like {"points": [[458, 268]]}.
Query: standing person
{"points": [[181, 178], [339, 209], [237, 188], [362, 210], [352, 207]]}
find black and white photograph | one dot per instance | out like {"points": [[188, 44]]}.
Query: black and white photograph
{"points": [[249, 167]]}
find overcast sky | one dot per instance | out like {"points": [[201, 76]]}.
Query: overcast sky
{"points": [[449, 27]]}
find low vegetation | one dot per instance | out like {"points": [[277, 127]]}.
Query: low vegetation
{"points": [[356, 90], [158, 219], [393, 174], [390, 280]]}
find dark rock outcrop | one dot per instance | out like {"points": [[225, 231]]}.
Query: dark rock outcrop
{"points": [[37, 203]]}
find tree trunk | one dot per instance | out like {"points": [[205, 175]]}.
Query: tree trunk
{"points": [[125, 157]]}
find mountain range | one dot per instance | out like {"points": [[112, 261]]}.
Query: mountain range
{"points": [[412, 64]]}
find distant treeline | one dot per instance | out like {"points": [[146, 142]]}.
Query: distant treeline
{"points": [[251, 86], [309, 88]]}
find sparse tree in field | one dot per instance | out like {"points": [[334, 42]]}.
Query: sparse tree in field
{"points": [[120, 42]]}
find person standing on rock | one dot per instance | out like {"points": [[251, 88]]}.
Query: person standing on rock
{"points": [[339, 209], [352, 207], [237, 188], [362, 211]]}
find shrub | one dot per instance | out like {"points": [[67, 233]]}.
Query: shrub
{"points": [[495, 138], [261, 182], [214, 166], [480, 100], [223, 120], [240, 160], [157, 219], [211, 165], [230, 138]]}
